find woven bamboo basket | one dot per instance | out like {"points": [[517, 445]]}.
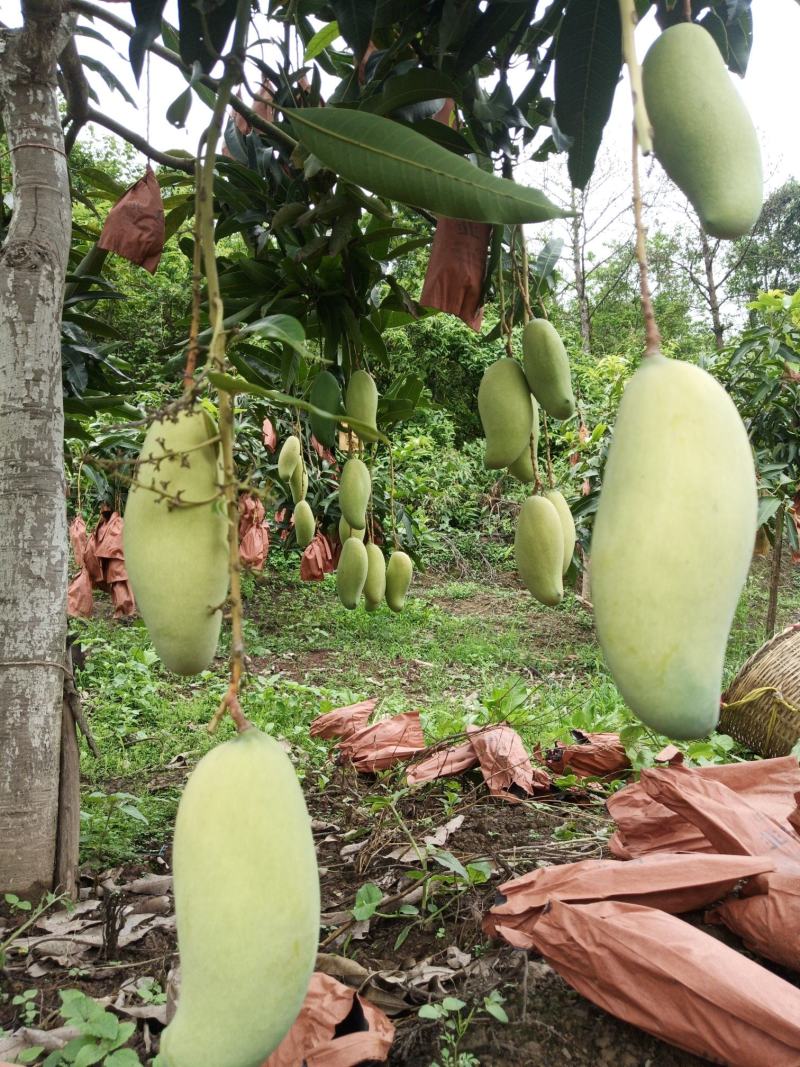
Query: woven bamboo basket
{"points": [[761, 707]]}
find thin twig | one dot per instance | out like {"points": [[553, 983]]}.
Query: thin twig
{"points": [[652, 345], [627, 10]]}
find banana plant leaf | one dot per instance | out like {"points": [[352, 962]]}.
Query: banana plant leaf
{"points": [[397, 162]]}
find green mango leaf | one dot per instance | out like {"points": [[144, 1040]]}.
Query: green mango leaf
{"points": [[412, 88], [321, 40], [588, 64], [395, 161], [281, 328], [231, 384], [354, 18], [147, 19]]}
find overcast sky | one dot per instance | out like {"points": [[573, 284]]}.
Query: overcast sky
{"points": [[771, 90]]}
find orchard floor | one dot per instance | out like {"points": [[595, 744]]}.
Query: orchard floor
{"points": [[462, 652]]}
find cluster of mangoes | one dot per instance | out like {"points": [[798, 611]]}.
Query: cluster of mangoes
{"points": [[507, 403]]}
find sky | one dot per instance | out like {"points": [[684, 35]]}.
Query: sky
{"points": [[770, 89]]}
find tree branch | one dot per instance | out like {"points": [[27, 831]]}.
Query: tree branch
{"points": [[76, 91], [166, 160]]}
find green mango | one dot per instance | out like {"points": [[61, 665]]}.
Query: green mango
{"points": [[298, 482], [246, 904], [539, 550], [375, 585], [305, 525], [177, 558], [361, 402], [346, 530], [504, 405], [672, 542], [289, 456], [567, 524], [399, 572], [326, 394], [355, 486], [702, 133], [522, 467], [351, 573], [547, 368]]}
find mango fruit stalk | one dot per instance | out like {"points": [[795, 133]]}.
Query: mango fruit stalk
{"points": [[177, 556], [539, 550], [399, 572], [351, 572], [355, 486], [326, 395], [246, 904], [361, 402], [547, 368], [703, 135], [672, 542], [504, 405]]}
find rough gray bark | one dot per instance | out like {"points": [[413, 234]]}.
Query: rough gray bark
{"points": [[33, 536]]}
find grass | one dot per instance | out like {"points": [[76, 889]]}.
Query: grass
{"points": [[461, 653]]}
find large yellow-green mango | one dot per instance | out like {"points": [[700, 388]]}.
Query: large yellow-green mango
{"points": [[702, 134], [522, 468], [567, 524], [246, 904], [361, 402], [399, 572], [298, 482], [355, 487], [289, 457], [326, 395], [504, 405], [177, 558], [672, 543], [351, 572], [539, 550], [547, 368], [305, 524], [375, 585], [346, 530]]}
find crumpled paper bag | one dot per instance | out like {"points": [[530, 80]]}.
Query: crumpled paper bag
{"points": [[385, 743], [343, 722], [674, 981], [102, 566], [457, 268], [645, 826], [794, 818], [593, 755], [443, 762], [134, 227], [253, 532], [335, 1028], [78, 538], [319, 558], [505, 764], [670, 882], [768, 922]]}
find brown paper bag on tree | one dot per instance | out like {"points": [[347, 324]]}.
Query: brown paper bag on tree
{"points": [[134, 227]]}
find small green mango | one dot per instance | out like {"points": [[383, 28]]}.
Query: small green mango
{"points": [[361, 402], [305, 525], [246, 905], [375, 585], [702, 133], [355, 487], [289, 456], [522, 468], [346, 530], [547, 368], [504, 405], [177, 558], [298, 483], [351, 573], [672, 542], [567, 524], [326, 394], [399, 572], [539, 550]]}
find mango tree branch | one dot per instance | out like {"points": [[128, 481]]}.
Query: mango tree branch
{"points": [[276, 133], [627, 10], [652, 344], [166, 160]]}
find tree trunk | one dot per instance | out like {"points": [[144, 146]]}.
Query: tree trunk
{"points": [[33, 535], [775, 573], [713, 295], [580, 278]]}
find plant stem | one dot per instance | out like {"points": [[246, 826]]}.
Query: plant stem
{"points": [[627, 10], [652, 336]]}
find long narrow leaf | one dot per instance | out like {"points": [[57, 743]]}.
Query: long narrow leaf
{"points": [[395, 161]]}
